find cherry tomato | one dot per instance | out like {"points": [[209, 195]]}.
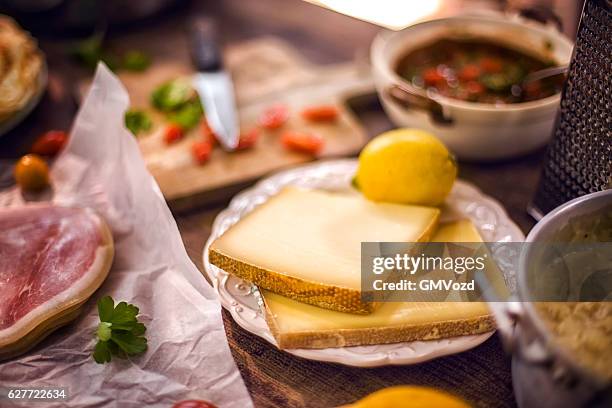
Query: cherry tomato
{"points": [[474, 88], [50, 143], [32, 173], [248, 139], [302, 142], [491, 65], [469, 72], [173, 133], [322, 113], [208, 133], [201, 151], [193, 404], [274, 117], [431, 76]]}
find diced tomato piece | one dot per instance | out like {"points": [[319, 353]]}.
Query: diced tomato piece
{"points": [[201, 151], [50, 143], [474, 88], [274, 117], [469, 72], [431, 76], [302, 142], [208, 134], [194, 404], [533, 89], [321, 113], [248, 139], [173, 133], [491, 65]]}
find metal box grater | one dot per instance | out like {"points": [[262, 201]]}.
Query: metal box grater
{"points": [[579, 157]]}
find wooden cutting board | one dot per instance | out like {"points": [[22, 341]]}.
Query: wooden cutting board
{"points": [[265, 72]]}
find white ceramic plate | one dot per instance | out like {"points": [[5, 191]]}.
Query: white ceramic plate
{"points": [[242, 300]]}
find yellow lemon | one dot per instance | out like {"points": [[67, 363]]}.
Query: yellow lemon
{"points": [[409, 397], [406, 166]]}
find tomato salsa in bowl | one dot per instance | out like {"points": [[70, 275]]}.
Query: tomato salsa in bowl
{"points": [[463, 79], [477, 70]]}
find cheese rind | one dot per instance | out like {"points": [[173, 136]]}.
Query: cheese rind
{"points": [[306, 244], [296, 325]]}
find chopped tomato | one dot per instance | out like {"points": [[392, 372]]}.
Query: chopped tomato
{"points": [[173, 133], [50, 143], [469, 72], [491, 65], [321, 113], [201, 151], [532, 89], [474, 88], [193, 404], [248, 139], [431, 76], [302, 142], [208, 133], [274, 117]]}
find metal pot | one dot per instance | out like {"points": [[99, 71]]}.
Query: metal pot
{"points": [[544, 374]]}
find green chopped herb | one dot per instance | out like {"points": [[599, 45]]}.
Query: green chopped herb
{"points": [[179, 101], [135, 61], [172, 95], [188, 115], [137, 121], [119, 332], [88, 51], [496, 82]]}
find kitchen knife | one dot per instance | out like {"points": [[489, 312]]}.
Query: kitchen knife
{"points": [[213, 84]]}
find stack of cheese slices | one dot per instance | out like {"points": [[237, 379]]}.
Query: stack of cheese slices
{"points": [[302, 248]]}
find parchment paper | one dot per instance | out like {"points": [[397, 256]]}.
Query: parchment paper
{"points": [[188, 355]]}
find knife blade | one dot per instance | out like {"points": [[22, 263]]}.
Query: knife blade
{"points": [[213, 84]]}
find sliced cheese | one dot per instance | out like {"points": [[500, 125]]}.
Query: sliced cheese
{"points": [[458, 231], [297, 325], [306, 244]]}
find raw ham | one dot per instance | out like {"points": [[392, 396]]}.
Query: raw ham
{"points": [[52, 259]]}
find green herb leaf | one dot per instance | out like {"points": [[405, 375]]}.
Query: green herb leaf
{"points": [[119, 332], [104, 331], [88, 51], [124, 313], [172, 95], [496, 82], [187, 116], [138, 329], [135, 61], [101, 353], [105, 308], [129, 343], [137, 121]]}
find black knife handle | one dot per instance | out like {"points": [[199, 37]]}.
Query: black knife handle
{"points": [[205, 50]]}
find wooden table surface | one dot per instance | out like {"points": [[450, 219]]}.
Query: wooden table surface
{"points": [[274, 378]]}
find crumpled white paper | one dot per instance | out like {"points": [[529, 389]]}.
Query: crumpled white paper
{"points": [[188, 355]]}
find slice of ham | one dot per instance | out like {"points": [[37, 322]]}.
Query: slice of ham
{"points": [[52, 259]]}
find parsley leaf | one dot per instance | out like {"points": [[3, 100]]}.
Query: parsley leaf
{"points": [[188, 115], [102, 353], [179, 101], [119, 332], [105, 308], [137, 121]]}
